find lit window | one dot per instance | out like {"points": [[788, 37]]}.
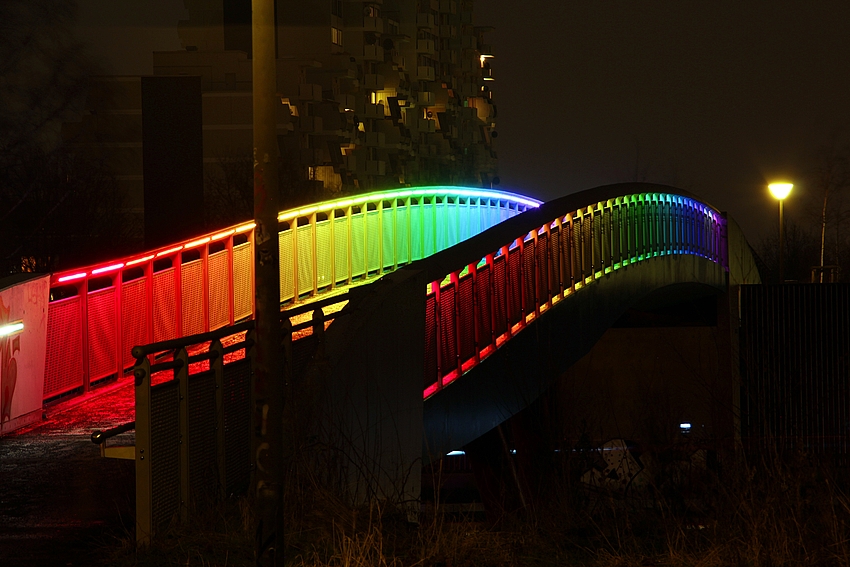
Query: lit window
{"points": [[336, 36]]}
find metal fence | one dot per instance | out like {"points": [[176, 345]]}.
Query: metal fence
{"points": [[97, 313], [475, 309], [194, 414], [795, 368]]}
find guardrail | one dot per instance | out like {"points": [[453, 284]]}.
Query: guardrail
{"points": [[194, 413], [475, 309], [96, 313]]}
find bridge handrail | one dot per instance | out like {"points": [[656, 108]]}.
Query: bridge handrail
{"points": [[98, 312], [474, 304]]}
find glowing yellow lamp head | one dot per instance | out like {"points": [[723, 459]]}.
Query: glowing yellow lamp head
{"points": [[780, 190]]}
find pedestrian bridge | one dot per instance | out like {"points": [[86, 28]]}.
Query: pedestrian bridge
{"points": [[459, 306]]}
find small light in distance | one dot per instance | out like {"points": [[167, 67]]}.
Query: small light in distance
{"points": [[455, 453], [685, 427]]}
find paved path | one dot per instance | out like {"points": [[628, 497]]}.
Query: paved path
{"points": [[60, 502]]}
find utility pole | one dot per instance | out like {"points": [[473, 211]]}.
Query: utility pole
{"points": [[268, 370]]}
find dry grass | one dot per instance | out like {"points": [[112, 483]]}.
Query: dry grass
{"points": [[780, 512]]}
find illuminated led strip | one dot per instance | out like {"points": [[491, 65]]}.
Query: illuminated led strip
{"points": [[431, 191], [139, 260], [105, 269], [417, 192], [11, 328], [169, 251], [196, 243], [72, 277]]}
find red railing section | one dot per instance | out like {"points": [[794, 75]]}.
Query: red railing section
{"points": [[475, 309], [97, 314]]}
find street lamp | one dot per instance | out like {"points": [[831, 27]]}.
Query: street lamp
{"points": [[780, 191]]}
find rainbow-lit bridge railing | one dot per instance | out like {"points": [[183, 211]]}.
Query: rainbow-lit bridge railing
{"points": [[475, 309], [98, 313]]}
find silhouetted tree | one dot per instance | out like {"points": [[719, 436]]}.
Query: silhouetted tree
{"points": [[56, 206]]}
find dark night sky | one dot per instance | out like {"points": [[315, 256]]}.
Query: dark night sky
{"points": [[715, 97]]}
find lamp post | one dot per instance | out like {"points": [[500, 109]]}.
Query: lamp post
{"points": [[779, 192]]}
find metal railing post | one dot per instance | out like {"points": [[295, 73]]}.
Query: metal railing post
{"points": [[144, 488], [181, 374], [217, 366]]}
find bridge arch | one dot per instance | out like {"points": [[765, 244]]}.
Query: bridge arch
{"points": [[510, 308]]}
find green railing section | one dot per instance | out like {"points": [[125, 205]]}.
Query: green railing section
{"points": [[338, 242]]}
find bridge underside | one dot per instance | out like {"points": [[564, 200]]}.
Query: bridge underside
{"points": [[517, 374]]}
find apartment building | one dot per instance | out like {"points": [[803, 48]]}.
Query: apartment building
{"points": [[374, 94]]}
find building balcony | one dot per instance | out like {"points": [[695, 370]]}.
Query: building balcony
{"points": [[373, 24], [373, 110], [448, 6], [375, 139], [312, 124], [346, 101], [469, 42], [373, 82], [425, 46], [426, 125], [425, 98], [425, 73], [373, 52], [307, 91], [376, 167], [425, 20], [448, 31]]}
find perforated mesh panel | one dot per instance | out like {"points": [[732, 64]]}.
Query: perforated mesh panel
{"points": [[430, 340], [463, 228], [466, 318], [134, 318], [237, 425], [287, 266], [504, 212], [567, 253], [358, 258], [484, 297], [416, 232], [203, 465], [448, 343], [341, 249], [64, 363], [588, 242], [243, 284], [529, 276], [515, 285], [103, 334], [451, 225], [219, 306], [429, 228], [555, 259], [387, 238], [542, 268], [164, 452], [323, 254], [164, 308], [305, 259], [402, 235], [373, 240], [616, 234], [500, 296], [192, 297]]}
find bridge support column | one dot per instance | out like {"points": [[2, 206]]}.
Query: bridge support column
{"points": [[366, 395]]}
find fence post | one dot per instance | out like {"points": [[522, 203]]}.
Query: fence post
{"points": [[144, 515], [217, 366], [181, 374]]}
